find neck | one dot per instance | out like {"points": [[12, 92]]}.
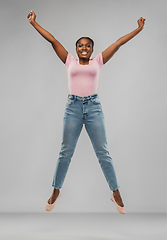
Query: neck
{"points": [[84, 61]]}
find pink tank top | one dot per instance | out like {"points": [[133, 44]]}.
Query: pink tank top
{"points": [[83, 79]]}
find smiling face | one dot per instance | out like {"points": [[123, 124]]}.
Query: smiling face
{"points": [[84, 49]]}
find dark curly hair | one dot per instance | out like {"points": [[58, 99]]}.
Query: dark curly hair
{"points": [[92, 42]]}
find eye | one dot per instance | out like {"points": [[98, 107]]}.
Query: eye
{"points": [[80, 45]]}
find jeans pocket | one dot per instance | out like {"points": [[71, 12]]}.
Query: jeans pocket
{"points": [[95, 100], [70, 101]]}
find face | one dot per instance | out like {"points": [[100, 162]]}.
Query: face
{"points": [[84, 48]]}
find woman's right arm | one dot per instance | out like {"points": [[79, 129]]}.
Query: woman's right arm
{"points": [[59, 49]]}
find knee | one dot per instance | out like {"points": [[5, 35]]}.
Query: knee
{"points": [[103, 156], [65, 155]]}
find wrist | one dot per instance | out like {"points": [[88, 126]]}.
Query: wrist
{"points": [[32, 22], [140, 28]]}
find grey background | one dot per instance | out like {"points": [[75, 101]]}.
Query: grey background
{"points": [[33, 94]]}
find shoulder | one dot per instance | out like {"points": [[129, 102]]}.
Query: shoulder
{"points": [[69, 59], [99, 59]]}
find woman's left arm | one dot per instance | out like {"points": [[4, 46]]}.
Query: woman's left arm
{"points": [[109, 52]]}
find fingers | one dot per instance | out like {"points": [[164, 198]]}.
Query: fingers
{"points": [[30, 15], [142, 19], [141, 22]]}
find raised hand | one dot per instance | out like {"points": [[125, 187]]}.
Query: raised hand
{"points": [[31, 16], [141, 22]]}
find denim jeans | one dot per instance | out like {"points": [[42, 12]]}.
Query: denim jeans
{"points": [[87, 111]]}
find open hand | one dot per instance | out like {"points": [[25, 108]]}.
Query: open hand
{"points": [[31, 16], [141, 22]]}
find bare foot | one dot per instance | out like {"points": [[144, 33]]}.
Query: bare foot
{"points": [[54, 196], [118, 198]]}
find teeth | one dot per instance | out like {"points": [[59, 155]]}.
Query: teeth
{"points": [[84, 53]]}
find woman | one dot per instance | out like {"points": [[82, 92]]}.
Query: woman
{"points": [[83, 107]]}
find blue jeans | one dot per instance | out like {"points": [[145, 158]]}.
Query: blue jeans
{"points": [[88, 111]]}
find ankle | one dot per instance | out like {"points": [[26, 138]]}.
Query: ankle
{"points": [[116, 192], [56, 190]]}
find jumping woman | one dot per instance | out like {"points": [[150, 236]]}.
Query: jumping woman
{"points": [[84, 107]]}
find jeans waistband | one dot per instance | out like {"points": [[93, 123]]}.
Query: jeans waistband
{"points": [[75, 97]]}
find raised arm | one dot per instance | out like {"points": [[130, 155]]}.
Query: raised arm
{"points": [[109, 52], [59, 49]]}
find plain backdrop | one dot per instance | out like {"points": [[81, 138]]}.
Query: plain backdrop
{"points": [[33, 95]]}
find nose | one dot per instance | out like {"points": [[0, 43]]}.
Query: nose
{"points": [[84, 47]]}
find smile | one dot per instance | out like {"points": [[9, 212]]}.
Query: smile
{"points": [[84, 53]]}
